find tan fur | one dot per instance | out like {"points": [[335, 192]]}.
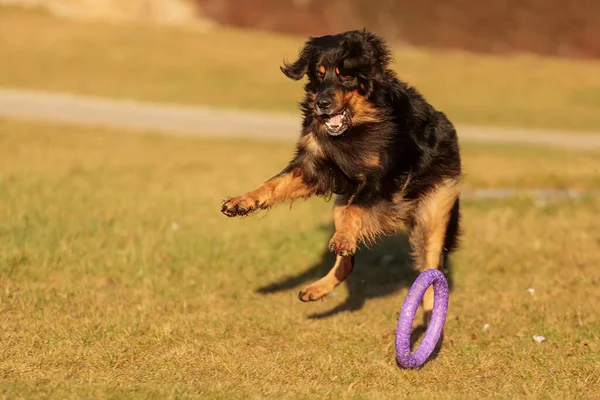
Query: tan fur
{"points": [[362, 110], [355, 224], [340, 271], [286, 187], [282, 188], [384, 218], [427, 236], [309, 143], [371, 160], [339, 205], [428, 303], [347, 229], [351, 220], [430, 221], [352, 225]]}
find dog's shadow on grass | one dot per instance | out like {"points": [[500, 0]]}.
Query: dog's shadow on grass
{"points": [[379, 271]]}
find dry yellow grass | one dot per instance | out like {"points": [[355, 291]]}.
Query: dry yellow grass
{"points": [[120, 279], [237, 68]]}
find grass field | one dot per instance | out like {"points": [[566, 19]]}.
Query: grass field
{"points": [[235, 68], [120, 279]]}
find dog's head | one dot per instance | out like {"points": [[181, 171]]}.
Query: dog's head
{"points": [[342, 71]]}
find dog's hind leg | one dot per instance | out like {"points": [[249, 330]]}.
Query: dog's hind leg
{"points": [[433, 232]]}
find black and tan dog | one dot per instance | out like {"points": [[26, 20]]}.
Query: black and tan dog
{"points": [[390, 158]]}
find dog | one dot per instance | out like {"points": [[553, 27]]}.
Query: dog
{"points": [[391, 159]]}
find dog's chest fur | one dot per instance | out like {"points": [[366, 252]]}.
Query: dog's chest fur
{"points": [[340, 164]]}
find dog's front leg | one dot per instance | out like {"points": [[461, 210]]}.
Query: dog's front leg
{"points": [[343, 263], [348, 216], [287, 185], [347, 231]]}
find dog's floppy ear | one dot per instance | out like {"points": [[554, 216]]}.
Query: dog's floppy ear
{"points": [[296, 70], [378, 47], [299, 68], [367, 51]]}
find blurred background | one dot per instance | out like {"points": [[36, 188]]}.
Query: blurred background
{"points": [[543, 27], [124, 123], [520, 63]]}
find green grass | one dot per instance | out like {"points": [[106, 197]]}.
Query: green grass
{"points": [[120, 278], [237, 68]]}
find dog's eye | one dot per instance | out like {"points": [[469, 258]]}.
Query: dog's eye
{"points": [[320, 75]]}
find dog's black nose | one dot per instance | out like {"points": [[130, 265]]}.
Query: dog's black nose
{"points": [[323, 103]]}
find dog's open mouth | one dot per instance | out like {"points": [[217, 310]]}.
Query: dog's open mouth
{"points": [[336, 124]]}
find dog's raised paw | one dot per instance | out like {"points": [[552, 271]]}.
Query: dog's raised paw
{"points": [[343, 245], [238, 206]]}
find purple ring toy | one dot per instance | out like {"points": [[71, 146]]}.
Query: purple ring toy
{"points": [[407, 316]]}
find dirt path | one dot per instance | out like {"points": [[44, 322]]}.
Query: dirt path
{"points": [[191, 120]]}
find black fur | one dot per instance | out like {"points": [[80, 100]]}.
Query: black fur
{"points": [[366, 136], [412, 139]]}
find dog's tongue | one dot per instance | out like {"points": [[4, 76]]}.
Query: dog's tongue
{"points": [[335, 120]]}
